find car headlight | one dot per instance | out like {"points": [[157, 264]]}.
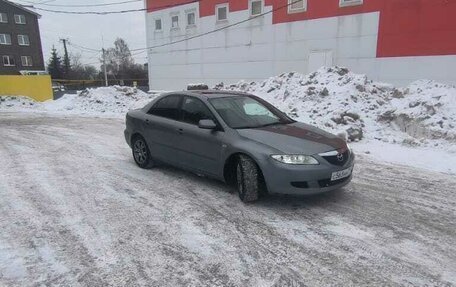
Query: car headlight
{"points": [[295, 159]]}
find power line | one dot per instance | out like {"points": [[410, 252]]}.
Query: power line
{"points": [[91, 12], [81, 5], [105, 12], [182, 40], [218, 29], [84, 48]]}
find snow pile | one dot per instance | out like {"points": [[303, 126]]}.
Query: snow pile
{"points": [[424, 110], [15, 102], [109, 101], [332, 98], [106, 100], [338, 100]]}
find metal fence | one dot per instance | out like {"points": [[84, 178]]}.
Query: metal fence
{"points": [[62, 87]]}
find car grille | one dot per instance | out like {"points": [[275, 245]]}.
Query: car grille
{"points": [[328, 182], [300, 184], [334, 159]]}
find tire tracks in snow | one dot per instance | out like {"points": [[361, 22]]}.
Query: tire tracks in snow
{"points": [[77, 196]]}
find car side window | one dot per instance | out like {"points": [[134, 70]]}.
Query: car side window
{"points": [[194, 110], [167, 107]]}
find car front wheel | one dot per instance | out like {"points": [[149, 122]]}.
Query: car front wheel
{"points": [[248, 179], [141, 153]]}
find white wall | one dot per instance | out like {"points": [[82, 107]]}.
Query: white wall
{"points": [[256, 50]]}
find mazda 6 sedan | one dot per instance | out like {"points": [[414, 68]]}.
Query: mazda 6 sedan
{"points": [[240, 139]]}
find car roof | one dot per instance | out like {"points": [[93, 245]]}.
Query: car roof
{"points": [[209, 93]]}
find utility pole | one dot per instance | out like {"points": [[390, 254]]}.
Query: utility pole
{"points": [[104, 61], [66, 58], [104, 68]]}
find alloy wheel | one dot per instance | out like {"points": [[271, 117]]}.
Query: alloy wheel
{"points": [[140, 151]]}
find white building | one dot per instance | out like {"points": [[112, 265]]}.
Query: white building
{"points": [[225, 41]]}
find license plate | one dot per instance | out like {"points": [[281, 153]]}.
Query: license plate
{"points": [[341, 174]]}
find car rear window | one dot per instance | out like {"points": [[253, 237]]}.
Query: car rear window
{"points": [[167, 107]]}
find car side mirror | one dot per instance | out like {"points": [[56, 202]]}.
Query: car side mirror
{"points": [[207, 124]]}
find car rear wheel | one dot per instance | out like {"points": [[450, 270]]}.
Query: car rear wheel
{"points": [[141, 153], [248, 179]]}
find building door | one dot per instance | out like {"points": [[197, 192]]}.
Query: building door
{"points": [[318, 59]]}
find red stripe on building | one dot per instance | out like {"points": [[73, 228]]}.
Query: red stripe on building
{"points": [[417, 28], [156, 5]]}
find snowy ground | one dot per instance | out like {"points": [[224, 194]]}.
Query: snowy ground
{"points": [[76, 211]]}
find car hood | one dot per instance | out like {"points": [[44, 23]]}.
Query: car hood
{"points": [[296, 138]]}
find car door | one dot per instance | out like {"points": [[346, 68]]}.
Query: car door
{"points": [[161, 128], [200, 149]]}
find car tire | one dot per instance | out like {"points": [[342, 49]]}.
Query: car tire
{"points": [[248, 179], [141, 153]]}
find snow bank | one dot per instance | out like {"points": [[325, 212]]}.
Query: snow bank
{"points": [[425, 110], [338, 100], [17, 103], [112, 101]]}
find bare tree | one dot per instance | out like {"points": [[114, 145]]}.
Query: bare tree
{"points": [[80, 71], [120, 63]]}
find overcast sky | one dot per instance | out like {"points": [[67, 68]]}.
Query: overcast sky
{"points": [[88, 30]]}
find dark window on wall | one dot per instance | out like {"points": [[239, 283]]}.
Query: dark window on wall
{"points": [[191, 19], [194, 110], [174, 22], [167, 107], [295, 6], [256, 7], [3, 18], [222, 12], [26, 61], [8, 61], [19, 19], [5, 39], [23, 40], [158, 24], [345, 3]]}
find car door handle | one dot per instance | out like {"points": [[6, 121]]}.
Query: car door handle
{"points": [[180, 131]]}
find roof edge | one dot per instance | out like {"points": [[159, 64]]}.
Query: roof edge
{"points": [[22, 8]]}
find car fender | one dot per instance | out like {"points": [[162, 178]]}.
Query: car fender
{"points": [[259, 152], [134, 124]]}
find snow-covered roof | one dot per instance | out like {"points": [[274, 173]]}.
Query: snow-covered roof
{"points": [[21, 7]]}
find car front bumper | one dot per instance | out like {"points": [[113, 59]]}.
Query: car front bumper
{"points": [[305, 179]]}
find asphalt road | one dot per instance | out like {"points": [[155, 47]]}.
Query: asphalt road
{"points": [[76, 211]]}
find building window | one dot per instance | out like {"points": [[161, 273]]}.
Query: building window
{"points": [[345, 3], [19, 19], [8, 61], [5, 39], [222, 12], [3, 18], [26, 61], [158, 24], [23, 40], [191, 19], [296, 6], [174, 22], [256, 7]]}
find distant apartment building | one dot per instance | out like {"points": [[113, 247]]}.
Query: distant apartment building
{"points": [[20, 42], [396, 41]]}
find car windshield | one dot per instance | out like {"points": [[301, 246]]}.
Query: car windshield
{"points": [[244, 112]]}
